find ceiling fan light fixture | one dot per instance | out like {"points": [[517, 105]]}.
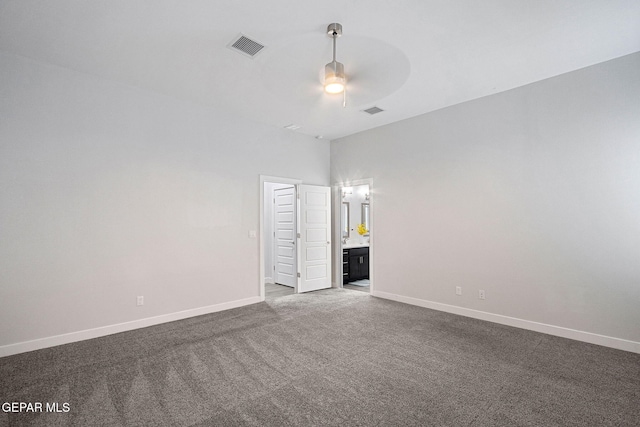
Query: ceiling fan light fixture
{"points": [[335, 81], [334, 77]]}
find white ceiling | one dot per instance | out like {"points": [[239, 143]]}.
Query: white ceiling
{"points": [[407, 57]]}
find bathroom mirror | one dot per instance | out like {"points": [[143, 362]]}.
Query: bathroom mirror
{"points": [[345, 220], [365, 216]]}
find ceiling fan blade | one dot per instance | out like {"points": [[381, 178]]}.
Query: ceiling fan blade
{"points": [[374, 69]]}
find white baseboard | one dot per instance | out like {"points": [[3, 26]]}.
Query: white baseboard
{"points": [[617, 343], [269, 281], [22, 347]]}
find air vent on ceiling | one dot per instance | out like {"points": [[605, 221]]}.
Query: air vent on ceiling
{"points": [[245, 46], [373, 110]]}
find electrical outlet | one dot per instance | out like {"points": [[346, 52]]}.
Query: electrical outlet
{"points": [[140, 300], [481, 294], [458, 290]]}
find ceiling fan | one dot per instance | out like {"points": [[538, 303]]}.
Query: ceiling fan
{"points": [[294, 71], [335, 80]]}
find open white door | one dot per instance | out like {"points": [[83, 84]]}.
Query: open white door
{"points": [[315, 237], [285, 236]]}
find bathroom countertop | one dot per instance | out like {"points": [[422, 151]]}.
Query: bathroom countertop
{"points": [[355, 245]]}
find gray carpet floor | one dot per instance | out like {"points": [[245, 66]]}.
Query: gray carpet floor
{"points": [[274, 290], [356, 288], [336, 358]]}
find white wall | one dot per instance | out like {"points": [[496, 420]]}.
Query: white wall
{"points": [[108, 192], [532, 195]]}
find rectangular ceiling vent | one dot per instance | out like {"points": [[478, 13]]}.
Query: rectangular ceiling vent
{"points": [[373, 110], [245, 46]]}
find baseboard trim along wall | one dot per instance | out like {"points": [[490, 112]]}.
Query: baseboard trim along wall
{"points": [[22, 347], [558, 331]]}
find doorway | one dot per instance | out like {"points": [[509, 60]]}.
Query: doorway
{"points": [[295, 236], [355, 232]]}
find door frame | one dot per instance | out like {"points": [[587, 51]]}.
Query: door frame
{"points": [[275, 180], [337, 231]]}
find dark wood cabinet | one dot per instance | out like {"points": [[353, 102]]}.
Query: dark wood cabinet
{"points": [[355, 264], [345, 266]]}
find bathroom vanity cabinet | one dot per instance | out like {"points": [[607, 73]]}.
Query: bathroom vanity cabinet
{"points": [[355, 264]]}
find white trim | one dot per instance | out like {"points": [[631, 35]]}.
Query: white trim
{"points": [[269, 281], [336, 248], [559, 331], [22, 347]]}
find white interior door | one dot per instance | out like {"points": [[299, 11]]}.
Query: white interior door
{"points": [[315, 237], [285, 236]]}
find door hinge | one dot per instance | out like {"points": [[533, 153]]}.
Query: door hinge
{"points": [[298, 235], [298, 275]]}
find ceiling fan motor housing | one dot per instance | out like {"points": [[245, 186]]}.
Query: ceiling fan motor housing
{"points": [[334, 69]]}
